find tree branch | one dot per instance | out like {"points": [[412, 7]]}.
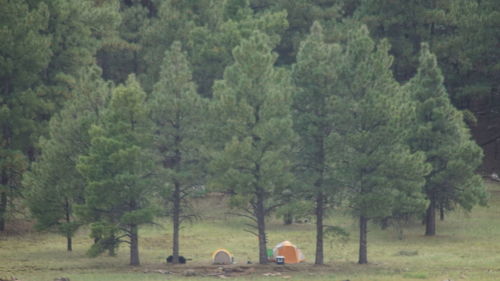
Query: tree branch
{"points": [[252, 232]]}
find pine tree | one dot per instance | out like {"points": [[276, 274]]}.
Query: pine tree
{"points": [[209, 31], [119, 171], [77, 31], [373, 159], [53, 184], [120, 55], [452, 30], [174, 22], [24, 54], [179, 114], [210, 48], [406, 25], [470, 59], [300, 14], [445, 139], [252, 127], [315, 77]]}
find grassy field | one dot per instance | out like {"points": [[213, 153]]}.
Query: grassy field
{"points": [[467, 247]]}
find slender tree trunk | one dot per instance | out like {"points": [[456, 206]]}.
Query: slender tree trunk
{"points": [[176, 221], [319, 227], [363, 242], [134, 245], [441, 213], [430, 218], [260, 214], [3, 209], [320, 201], [288, 218], [69, 244], [3, 202], [385, 223], [111, 247]]}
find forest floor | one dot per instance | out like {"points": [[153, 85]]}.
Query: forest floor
{"points": [[467, 247]]}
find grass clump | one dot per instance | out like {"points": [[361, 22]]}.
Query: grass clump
{"points": [[416, 275], [407, 253]]}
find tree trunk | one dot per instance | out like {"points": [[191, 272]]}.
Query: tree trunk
{"points": [[3, 209], [430, 219], [320, 201], [319, 227], [111, 246], [385, 223], [69, 244], [363, 242], [288, 218], [176, 222], [3, 202], [260, 214], [134, 245], [441, 213]]}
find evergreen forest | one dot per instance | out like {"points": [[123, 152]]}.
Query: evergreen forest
{"points": [[117, 114]]}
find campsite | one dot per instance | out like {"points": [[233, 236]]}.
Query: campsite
{"points": [[466, 249], [249, 139]]}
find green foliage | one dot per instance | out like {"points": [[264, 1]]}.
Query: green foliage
{"points": [[315, 76], [179, 114], [453, 30], [370, 130], [25, 49], [252, 130], [208, 36], [406, 25], [301, 14], [470, 60], [119, 167], [174, 23], [119, 55], [24, 53], [442, 135], [77, 31], [53, 183], [296, 209], [104, 239], [378, 168], [336, 234], [254, 100]]}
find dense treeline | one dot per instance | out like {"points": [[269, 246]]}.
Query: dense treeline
{"points": [[114, 112]]}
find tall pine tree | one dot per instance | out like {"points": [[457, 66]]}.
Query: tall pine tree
{"points": [[445, 139], [24, 54], [253, 129], [315, 76], [119, 170], [53, 184], [375, 163], [179, 114]]}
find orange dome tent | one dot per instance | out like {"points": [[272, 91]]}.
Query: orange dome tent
{"points": [[291, 253]]}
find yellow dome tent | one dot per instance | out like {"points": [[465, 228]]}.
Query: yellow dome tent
{"points": [[222, 256]]}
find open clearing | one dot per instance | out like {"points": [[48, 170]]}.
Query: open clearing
{"points": [[467, 247]]}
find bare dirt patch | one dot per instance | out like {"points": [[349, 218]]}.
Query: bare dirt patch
{"points": [[225, 271]]}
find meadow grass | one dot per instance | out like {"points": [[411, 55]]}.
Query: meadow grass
{"points": [[467, 247]]}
